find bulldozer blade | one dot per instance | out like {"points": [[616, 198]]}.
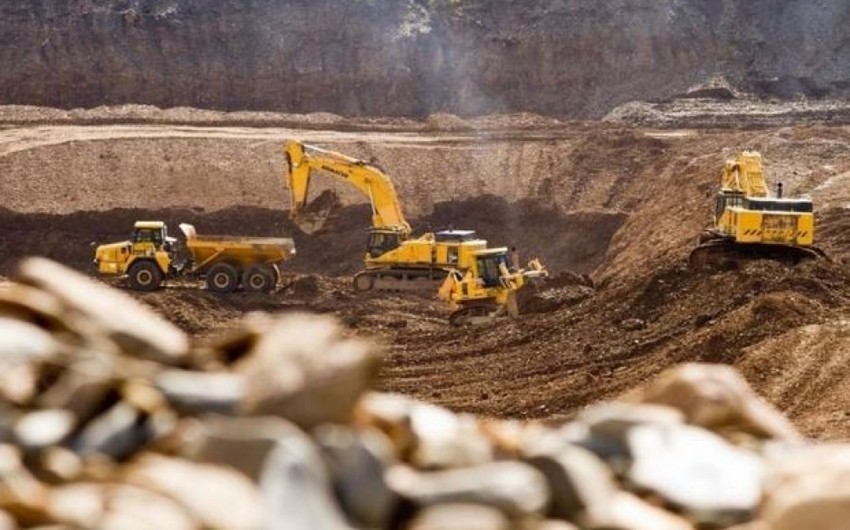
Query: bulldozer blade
{"points": [[511, 305]]}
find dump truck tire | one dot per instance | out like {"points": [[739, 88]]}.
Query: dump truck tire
{"points": [[144, 276], [222, 278], [259, 279]]}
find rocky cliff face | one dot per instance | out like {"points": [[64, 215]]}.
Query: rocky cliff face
{"points": [[570, 58]]}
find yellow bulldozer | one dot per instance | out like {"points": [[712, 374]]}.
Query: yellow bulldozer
{"points": [[487, 289], [750, 222]]}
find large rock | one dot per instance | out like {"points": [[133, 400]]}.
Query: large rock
{"points": [[297, 488], [241, 443], [130, 324], [517, 489], [201, 392], [426, 435], [808, 488], [697, 471], [307, 371], [717, 397], [628, 512], [580, 483], [92, 505], [460, 517], [216, 496], [358, 460]]}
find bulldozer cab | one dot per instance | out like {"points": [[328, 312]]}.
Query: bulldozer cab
{"points": [[382, 241], [489, 267]]}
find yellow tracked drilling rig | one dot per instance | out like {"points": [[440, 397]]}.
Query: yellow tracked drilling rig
{"points": [[750, 223]]}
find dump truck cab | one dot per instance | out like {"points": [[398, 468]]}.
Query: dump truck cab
{"points": [[146, 258], [151, 235]]}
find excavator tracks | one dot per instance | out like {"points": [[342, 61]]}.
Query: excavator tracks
{"points": [[715, 253], [391, 280]]}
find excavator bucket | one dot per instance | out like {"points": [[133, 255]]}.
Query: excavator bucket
{"points": [[312, 217]]}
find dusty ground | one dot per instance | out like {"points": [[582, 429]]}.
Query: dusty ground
{"points": [[620, 202]]}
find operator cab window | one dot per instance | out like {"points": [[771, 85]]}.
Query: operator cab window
{"points": [[148, 235], [142, 235], [381, 243], [488, 269]]}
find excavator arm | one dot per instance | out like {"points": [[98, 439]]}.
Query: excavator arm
{"points": [[304, 159], [744, 174]]}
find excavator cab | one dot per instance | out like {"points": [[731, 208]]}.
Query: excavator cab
{"points": [[727, 199], [382, 241]]}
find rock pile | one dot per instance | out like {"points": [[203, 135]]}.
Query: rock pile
{"points": [[111, 418]]}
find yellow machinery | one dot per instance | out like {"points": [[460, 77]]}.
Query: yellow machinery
{"points": [[751, 223], [224, 262], [394, 260], [488, 288]]}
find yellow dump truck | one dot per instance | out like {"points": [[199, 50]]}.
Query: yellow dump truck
{"points": [[224, 263]]}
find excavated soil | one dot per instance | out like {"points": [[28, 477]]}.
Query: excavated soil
{"points": [[611, 209]]}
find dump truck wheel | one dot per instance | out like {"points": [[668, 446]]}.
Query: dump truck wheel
{"points": [[144, 276], [259, 279], [222, 278]]}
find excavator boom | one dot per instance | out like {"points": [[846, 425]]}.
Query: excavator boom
{"points": [[303, 159], [745, 175]]}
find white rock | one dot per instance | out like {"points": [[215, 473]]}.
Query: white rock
{"points": [[808, 488], [217, 496], [22, 342], [296, 488], [627, 512], [696, 470], [42, 428], [515, 488], [460, 517]]}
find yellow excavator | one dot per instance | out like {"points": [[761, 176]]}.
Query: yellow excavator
{"points": [[395, 259], [751, 223], [475, 280]]}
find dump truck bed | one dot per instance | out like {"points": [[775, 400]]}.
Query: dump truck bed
{"points": [[245, 250]]}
